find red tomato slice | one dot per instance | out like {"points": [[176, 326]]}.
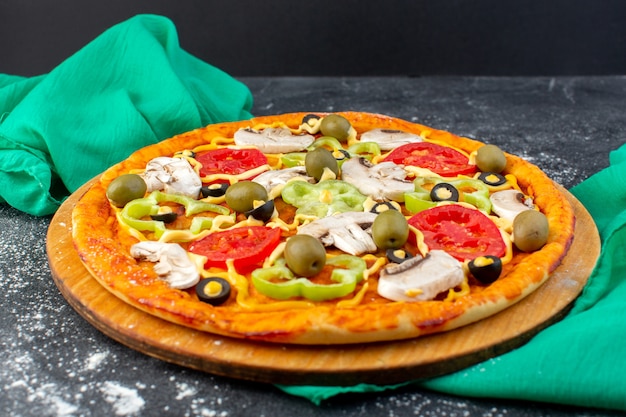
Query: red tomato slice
{"points": [[463, 232], [439, 159], [246, 246], [230, 161]]}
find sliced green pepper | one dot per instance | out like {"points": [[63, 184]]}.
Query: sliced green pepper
{"points": [[420, 199], [327, 141], [348, 272], [293, 159], [324, 198], [365, 149], [132, 213]]}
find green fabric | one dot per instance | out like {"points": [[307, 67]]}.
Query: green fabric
{"points": [[130, 87], [578, 361]]}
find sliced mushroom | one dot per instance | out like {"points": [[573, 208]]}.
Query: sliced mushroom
{"points": [[172, 263], [509, 203], [273, 140], [420, 279], [388, 139], [347, 231], [172, 175], [384, 181], [278, 178]]}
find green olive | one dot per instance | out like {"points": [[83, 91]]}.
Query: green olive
{"points": [[336, 126], [490, 158], [125, 188], [530, 230], [241, 196], [318, 159], [305, 255], [390, 230]]}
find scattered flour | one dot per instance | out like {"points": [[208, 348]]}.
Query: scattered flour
{"points": [[125, 401]]}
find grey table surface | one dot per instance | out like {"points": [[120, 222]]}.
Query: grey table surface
{"points": [[56, 364]]}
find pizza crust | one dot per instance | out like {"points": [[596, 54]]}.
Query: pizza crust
{"points": [[103, 247]]}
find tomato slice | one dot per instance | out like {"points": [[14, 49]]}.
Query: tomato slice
{"points": [[463, 232], [439, 159], [230, 161], [247, 246]]}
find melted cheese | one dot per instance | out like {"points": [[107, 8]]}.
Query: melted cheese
{"points": [[238, 177], [241, 284]]}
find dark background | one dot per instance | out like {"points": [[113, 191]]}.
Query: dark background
{"points": [[341, 37]]}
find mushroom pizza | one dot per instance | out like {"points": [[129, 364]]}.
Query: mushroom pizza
{"points": [[322, 229]]}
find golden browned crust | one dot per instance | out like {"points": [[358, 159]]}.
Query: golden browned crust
{"points": [[103, 248]]}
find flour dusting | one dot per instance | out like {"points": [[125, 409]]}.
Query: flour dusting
{"points": [[125, 401]]}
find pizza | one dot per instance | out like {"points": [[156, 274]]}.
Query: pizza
{"points": [[322, 228]]}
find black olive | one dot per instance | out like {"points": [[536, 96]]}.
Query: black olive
{"points": [[444, 192], [213, 290], [492, 178], [397, 256], [308, 117], [486, 269], [186, 153], [214, 190], [384, 206], [341, 154], [167, 217], [263, 213]]}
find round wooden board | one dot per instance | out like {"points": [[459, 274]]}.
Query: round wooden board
{"points": [[376, 363]]}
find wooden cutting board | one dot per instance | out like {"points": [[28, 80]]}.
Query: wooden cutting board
{"points": [[377, 363]]}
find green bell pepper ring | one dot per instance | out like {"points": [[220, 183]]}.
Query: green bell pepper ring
{"points": [[420, 199], [326, 141], [324, 198], [133, 211], [348, 272], [293, 159], [365, 149]]}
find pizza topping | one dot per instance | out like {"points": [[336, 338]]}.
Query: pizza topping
{"points": [[390, 230], [490, 158], [172, 176], [383, 181], [319, 160], [469, 191], [509, 203], [273, 140], [379, 207], [171, 262], [275, 180], [486, 269], [530, 230], [388, 139], [420, 279], [213, 290], [397, 256], [463, 232], [346, 231], [444, 192], [262, 212], [134, 212], [279, 282], [242, 195], [492, 178], [305, 255], [214, 190], [324, 198], [165, 214], [246, 246], [223, 163], [441, 160], [336, 126], [126, 188]]}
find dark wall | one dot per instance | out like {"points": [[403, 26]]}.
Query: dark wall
{"points": [[341, 37]]}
